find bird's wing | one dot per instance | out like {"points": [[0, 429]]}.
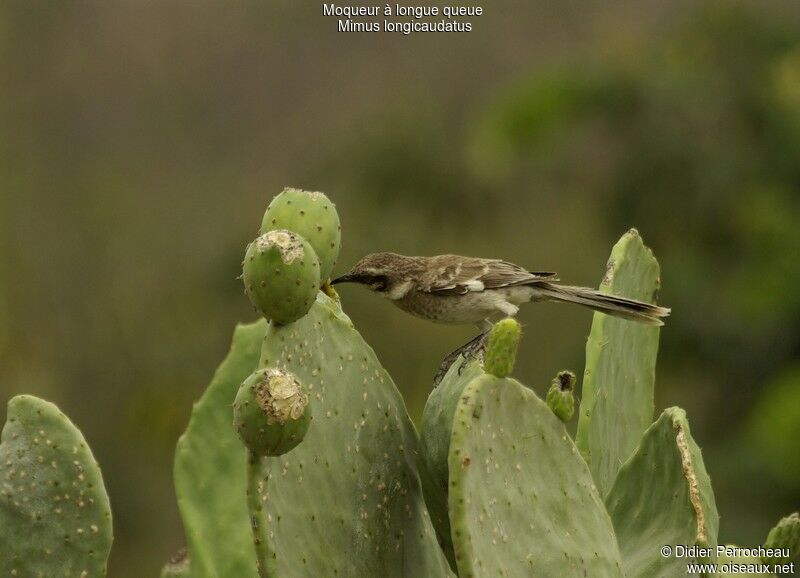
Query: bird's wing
{"points": [[456, 275]]}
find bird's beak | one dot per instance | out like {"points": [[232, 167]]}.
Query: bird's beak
{"points": [[342, 279]]}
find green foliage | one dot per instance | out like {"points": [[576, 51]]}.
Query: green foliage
{"points": [[618, 382], [560, 397], [210, 469], [281, 275], [352, 484], [312, 216], [271, 413], [662, 495], [55, 518], [501, 351], [522, 501], [495, 487], [773, 427]]}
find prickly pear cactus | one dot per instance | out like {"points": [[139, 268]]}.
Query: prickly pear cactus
{"points": [[347, 500], [785, 535], [501, 350], [560, 397], [281, 275], [437, 426], [210, 470], [522, 501], [662, 495], [55, 518], [271, 413], [313, 216], [618, 382]]}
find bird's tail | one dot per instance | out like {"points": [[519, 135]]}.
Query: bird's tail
{"points": [[603, 302]]}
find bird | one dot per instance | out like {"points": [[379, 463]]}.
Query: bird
{"points": [[454, 289]]}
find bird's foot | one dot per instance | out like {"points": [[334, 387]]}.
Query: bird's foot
{"points": [[474, 348]]}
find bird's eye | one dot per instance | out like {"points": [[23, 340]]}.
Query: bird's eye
{"points": [[378, 283]]}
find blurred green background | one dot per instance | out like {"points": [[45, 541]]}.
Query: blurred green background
{"points": [[141, 141]]}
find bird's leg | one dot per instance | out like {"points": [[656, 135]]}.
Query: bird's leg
{"points": [[473, 348]]}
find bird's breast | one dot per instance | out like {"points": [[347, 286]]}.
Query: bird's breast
{"points": [[470, 308]]}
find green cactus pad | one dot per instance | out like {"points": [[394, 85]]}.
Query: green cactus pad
{"points": [[281, 275], [743, 565], [501, 351], [271, 413], [210, 470], [663, 496], [560, 396], [347, 501], [522, 500], [434, 446], [617, 398], [786, 534], [312, 215], [55, 519]]}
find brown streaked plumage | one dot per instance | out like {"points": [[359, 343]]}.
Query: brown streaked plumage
{"points": [[457, 289]]}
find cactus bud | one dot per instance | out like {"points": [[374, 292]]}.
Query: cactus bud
{"points": [[281, 275], [271, 413], [786, 536], [560, 398], [501, 351], [311, 215]]}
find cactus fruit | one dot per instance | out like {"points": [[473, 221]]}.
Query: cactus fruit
{"points": [[501, 351], [313, 216], [560, 397], [786, 534], [347, 501], [210, 466], [618, 384], [55, 518], [271, 413], [522, 500], [281, 275], [662, 495]]}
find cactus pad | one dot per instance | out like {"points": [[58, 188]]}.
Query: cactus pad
{"points": [[281, 275], [347, 501], [55, 518], [663, 495], [522, 501], [618, 382], [270, 412], [210, 470], [314, 217], [435, 432]]}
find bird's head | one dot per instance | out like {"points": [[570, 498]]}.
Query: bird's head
{"points": [[385, 273]]}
